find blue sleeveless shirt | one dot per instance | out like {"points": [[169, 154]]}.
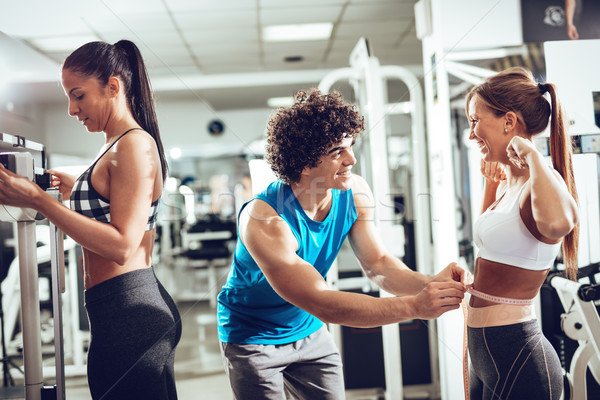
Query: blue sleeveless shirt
{"points": [[249, 310]]}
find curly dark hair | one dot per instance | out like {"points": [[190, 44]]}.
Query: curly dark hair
{"points": [[298, 136]]}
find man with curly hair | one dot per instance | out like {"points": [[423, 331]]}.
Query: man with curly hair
{"points": [[272, 310]]}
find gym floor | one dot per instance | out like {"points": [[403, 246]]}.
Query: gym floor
{"points": [[198, 365]]}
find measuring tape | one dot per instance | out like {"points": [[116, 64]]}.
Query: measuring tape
{"points": [[463, 305], [497, 299], [484, 296]]}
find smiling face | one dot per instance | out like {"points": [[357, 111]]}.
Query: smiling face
{"points": [[487, 130], [89, 102], [334, 170]]}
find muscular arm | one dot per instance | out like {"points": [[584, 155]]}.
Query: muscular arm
{"points": [[298, 282], [554, 209], [387, 271], [132, 173]]}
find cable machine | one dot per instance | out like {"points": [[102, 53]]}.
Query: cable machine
{"points": [[368, 79], [580, 322]]}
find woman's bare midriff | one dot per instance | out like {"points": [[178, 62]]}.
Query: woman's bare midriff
{"points": [[504, 280], [97, 269]]}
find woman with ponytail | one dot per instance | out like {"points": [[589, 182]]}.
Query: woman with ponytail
{"points": [[134, 323], [529, 210]]}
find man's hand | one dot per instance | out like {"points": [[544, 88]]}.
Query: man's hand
{"points": [[437, 298], [453, 273]]}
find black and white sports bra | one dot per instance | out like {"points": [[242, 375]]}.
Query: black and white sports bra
{"points": [[87, 201]]}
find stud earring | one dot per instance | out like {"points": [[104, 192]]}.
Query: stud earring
{"points": [[505, 130]]}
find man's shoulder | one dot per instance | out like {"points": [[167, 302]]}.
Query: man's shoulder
{"points": [[361, 191], [258, 210], [260, 225]]}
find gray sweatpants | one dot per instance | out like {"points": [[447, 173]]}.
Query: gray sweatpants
{"points": [[310, 368]]}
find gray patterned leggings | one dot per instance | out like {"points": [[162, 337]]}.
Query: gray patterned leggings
{"points": [[513, 362]]}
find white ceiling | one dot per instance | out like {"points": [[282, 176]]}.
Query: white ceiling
{"points": [[207, 49]]}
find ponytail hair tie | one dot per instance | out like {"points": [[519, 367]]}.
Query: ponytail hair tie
{"points": [[542, 88]]}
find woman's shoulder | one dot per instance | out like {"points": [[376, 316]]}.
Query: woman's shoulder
{"points": [[136, 149], [137, 142], [135, 137]]}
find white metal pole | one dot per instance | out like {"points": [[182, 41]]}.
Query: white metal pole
{"points": [[30, 310], [78, 354], [443, 201], [57, 264], [384, 212], [421, 194]]}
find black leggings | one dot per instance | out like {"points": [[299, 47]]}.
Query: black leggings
{"points": [[135, 327], [513, 362]]}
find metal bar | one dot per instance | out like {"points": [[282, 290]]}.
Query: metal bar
{"points": [[486, 54], [30, 310], [57, 263]]}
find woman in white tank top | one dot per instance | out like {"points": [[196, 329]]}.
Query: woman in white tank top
{"points": [[529, 209]]}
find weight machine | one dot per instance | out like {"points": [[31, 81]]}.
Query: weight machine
{"points": [[580, 322], [27, 158], [368, 79]]}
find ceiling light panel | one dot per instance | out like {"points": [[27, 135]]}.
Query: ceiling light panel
{"points": [[290, 33], [299, 15]]}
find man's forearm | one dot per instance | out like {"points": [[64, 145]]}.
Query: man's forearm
{"points": [[364, 311], [396, 278]]}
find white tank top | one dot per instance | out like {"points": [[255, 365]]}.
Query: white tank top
{"points": [[501, 236]]}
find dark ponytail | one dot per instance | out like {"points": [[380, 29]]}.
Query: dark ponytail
{"points": [[124, 60]]}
